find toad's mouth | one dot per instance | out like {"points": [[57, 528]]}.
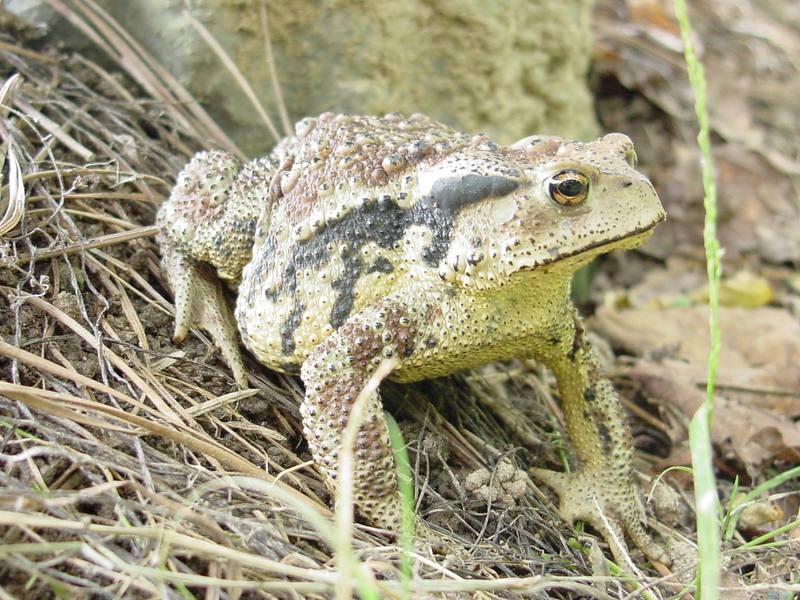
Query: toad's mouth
{"points": [[578, 256]]}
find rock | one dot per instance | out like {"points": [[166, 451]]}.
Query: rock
{"points": [[508, 68]]}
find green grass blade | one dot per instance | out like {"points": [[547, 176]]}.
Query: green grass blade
{"points": [[733, 512], [760, 540], [404, 479], [706, 500]]}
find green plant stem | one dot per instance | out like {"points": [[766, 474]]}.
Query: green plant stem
{"points": [[759, 541], [734, 511], [706, 500], [404, 479]]}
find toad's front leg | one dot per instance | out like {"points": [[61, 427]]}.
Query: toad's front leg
{"points": [[334, 375], [602, 492]]}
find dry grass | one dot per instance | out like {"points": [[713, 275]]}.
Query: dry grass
{"points": [[132, 468]]}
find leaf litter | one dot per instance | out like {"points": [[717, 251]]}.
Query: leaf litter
{"points": [[749, 49]]}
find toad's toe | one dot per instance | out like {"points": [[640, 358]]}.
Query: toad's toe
{"points": [[612, 510]]}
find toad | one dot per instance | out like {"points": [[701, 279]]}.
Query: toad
{"points": [[365, 239]]}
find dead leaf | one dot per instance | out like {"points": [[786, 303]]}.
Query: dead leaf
{"points": [[760, 358], [732, 587], [756, 515], [671, 286], [683, 283], [758, 382], [794, 537], [769, 386], [749, 52], [750, 337], [744, 289], [750, 434]]}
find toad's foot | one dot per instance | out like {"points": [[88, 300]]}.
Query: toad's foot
{"points": [[200, 302], [612, 509]]}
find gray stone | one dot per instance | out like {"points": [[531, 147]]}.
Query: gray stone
{"points": [[508, 68]]}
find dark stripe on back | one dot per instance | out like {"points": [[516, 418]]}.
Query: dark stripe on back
{"points": [[383, 222]]}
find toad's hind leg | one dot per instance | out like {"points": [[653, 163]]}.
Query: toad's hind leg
{"points": [[207, 234], [200, 302]]}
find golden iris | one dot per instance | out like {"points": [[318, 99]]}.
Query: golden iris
{"points": [[569, 187]]}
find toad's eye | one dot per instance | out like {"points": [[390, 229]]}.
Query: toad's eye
{"points": [[569, 187]]}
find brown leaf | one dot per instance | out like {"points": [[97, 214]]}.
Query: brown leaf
{"points": [[758, 383], [758, 514], [751, 434], [752, 87], [750, 337], [760, 359], [772, 387]]}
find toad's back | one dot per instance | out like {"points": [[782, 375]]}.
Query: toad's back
{"points": [[347, 224], [352, 208]]}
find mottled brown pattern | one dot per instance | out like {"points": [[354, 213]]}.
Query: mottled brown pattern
{"points": [[365, 151], [364, 343], [403, 331], [329, 403]]}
